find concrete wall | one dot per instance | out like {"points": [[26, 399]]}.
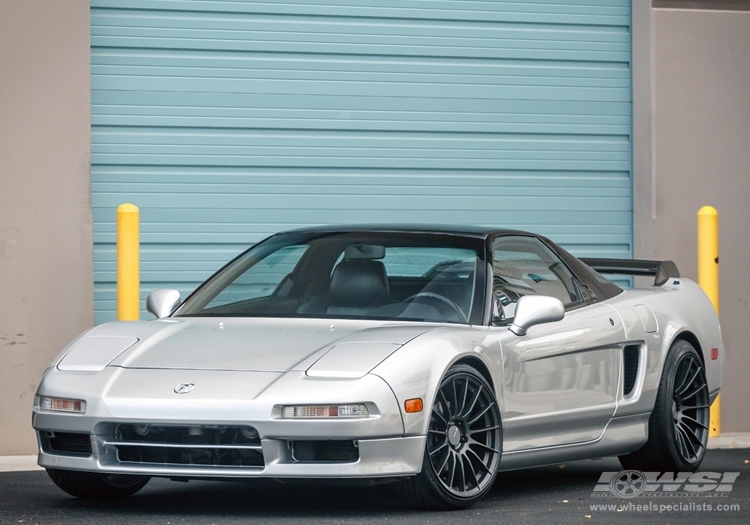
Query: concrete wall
{"points": [[701, 151], [46, 262]]}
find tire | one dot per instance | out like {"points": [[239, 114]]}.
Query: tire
{"points": [[89, 485], [464, 445], [678, 426]]}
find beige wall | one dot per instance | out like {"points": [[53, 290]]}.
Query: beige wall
{"points": [[46, 263], [701, 151]]}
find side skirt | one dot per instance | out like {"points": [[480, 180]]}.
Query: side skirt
{"points": [[622, 435]]}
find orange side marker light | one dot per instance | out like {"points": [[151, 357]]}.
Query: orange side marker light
{"points": [[413, 405]]}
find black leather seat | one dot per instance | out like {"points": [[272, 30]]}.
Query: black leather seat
{"points": [[357, 285]]}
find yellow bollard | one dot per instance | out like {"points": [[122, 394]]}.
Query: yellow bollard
{"points": [[708, 279], [128, 263]]}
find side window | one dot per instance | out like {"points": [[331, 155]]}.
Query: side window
{"points": [[525, 266]]}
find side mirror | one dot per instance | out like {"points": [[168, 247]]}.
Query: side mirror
{"points": [[536, 309], [162, 302]]}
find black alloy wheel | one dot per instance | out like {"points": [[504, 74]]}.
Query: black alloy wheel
{"points": [[690, 408], [678, 427], [464, 443]]}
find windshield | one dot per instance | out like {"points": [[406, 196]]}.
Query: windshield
{"points": [[371, 275]]}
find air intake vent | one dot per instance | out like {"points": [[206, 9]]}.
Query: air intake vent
{"points": [[66, 443], [214, 446], [333, 451], [629, 368]]}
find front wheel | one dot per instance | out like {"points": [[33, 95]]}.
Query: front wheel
{"points": [[464, 444], [89, 485], [678, 426]]}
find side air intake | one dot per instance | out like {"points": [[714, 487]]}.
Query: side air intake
{"points": [[629, 368]]}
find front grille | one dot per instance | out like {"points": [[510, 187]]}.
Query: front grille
{"points": [[66, 443], [629, 368], [330, 451], [217, 446]]}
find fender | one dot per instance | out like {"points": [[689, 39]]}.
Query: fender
{"points": [[417, 368]]}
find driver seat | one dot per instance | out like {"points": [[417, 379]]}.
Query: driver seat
{"points": [[357, 285]]}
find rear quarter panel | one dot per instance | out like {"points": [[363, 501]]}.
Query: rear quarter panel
{"points": [[682, 310]]}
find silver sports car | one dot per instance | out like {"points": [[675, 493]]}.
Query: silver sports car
{"points": [[426, 357]]}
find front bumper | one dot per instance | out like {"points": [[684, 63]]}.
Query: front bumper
{"points": [[224, 399], [377, 458]]}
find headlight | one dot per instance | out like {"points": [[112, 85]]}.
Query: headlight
{"points": [[58, 404], [324, 411]]}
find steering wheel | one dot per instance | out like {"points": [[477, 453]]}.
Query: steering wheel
{"points": [[442, 299]]}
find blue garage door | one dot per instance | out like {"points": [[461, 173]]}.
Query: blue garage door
{"points": [[225, 121]]}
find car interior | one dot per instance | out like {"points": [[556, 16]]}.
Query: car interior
{"points": [[358, 280]]}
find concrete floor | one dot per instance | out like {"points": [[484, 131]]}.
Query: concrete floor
{"points": [[561, 494]]}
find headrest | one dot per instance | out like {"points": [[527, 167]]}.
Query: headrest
{"points": [[357, 283]]}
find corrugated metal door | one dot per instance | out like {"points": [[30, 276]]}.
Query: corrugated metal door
{"points": [[225, 121]]}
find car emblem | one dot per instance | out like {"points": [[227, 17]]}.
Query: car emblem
{"points": [[183, 388]]}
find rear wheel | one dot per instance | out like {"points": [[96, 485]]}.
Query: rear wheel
{"points": [[678, 426], [89, 485], [464, 444]]}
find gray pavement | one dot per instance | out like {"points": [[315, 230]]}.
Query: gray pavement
{"points": [[559, 494]]}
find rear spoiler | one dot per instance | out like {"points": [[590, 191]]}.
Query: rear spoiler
{"points": [[661, 270]]}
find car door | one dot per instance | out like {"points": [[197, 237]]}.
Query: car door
{"points": [[560, 379]]}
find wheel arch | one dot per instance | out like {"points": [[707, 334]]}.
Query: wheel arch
{"points": [[690, 337], [480, 367]]}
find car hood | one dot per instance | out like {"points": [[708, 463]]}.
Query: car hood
{"points": [[257, 344]]}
